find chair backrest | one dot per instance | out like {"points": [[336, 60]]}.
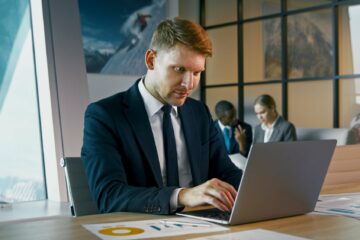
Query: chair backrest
{"points": [[78, 188], [343, 135]]}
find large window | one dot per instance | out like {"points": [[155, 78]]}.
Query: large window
{"points": [[304, 53], [21, 158]]}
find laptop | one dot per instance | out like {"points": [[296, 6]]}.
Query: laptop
{"points": [[280, 179]]}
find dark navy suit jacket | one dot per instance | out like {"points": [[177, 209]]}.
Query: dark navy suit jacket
{"points": [[234, 146], [120, 156]]}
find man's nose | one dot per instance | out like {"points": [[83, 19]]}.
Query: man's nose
{"points": [[188, 80]]}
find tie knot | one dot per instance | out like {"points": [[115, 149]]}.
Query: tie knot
{"points": [[166, 109]]}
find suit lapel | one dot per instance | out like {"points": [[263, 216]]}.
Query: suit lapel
{"points": [[192, 140], [260, 135], [276, 135], [233, 142], [137, 117]]}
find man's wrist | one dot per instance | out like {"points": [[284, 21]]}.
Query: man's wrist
{"points": [[174, 200]]}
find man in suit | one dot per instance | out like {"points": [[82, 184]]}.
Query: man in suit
{"points": [[131, 164], [237, 134]]}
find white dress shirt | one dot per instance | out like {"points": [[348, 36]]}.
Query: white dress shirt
{"points": [[268, 130], [155, 114]]}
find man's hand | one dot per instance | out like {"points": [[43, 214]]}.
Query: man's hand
{"points": [[240, 136], [214, 192]]}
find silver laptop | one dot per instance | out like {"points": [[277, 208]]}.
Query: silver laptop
{"points": [[280, 179]]}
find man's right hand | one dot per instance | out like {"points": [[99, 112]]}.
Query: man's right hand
{"points": [[240, 136], [214, 192]]}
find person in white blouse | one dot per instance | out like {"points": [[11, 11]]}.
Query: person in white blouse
{"points": [[272, 127]]}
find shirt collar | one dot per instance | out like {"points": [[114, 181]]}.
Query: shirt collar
{"points": [[152, 105], [222, 126], [264, 127]]}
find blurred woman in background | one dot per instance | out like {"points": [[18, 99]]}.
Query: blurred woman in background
{"points": [[272, 127]]}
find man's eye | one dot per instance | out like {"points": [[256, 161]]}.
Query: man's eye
{"points": [[179, 69]]}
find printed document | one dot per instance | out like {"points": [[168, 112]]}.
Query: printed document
{"points": [[155, 228]]}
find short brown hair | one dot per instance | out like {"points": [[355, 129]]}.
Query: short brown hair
{"points": [[169, 32]]}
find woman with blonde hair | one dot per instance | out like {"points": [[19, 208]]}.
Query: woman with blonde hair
{"points": [[272, 127]]}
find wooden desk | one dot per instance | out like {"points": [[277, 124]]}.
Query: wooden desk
{"points": [[341, 188], [311, 226]]}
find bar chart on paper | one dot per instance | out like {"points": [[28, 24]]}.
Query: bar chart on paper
{"points": [[151, 228]]}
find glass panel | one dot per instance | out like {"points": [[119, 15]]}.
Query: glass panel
{"points": [[257, 8], [262, 50], [214, 95], [222, 66], [251, 92], [310, 44], [217, 12], [295, 4], [349, 38], [349, 102], [21, 171], [308, 109]]}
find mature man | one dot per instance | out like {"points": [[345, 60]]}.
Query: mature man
{"points": [[151, 148]]}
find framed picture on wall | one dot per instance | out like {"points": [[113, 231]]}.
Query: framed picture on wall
{"points": [[116, 33], [309, 45]]}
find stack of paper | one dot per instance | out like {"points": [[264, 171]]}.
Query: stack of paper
{"points": [[347, 204]]}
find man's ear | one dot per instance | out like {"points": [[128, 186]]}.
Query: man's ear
{"points": [[150, 59]]}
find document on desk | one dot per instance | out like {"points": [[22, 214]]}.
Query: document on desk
{"points": [[238, 159], [347, 204], [255, 234], [155, 228]]}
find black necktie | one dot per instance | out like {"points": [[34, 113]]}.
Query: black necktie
{"points": [[170, 148]]}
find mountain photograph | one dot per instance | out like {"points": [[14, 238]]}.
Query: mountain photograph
{"points": [[310, 48], [116, 35]]}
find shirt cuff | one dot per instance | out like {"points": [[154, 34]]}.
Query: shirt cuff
{"points": [[174, 204]]}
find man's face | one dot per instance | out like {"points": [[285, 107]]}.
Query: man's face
{"points": [[229, 118], [173, 74]]}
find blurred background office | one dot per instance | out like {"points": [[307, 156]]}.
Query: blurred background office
{"points": [[303, 53]]}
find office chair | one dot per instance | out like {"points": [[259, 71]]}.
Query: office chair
{"points": [[78, 188]]}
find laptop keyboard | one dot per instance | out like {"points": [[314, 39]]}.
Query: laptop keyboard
{"points": [[212, 213]]}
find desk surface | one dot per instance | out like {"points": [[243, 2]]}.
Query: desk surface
{"points": [[341, 188], [312, 225]]}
